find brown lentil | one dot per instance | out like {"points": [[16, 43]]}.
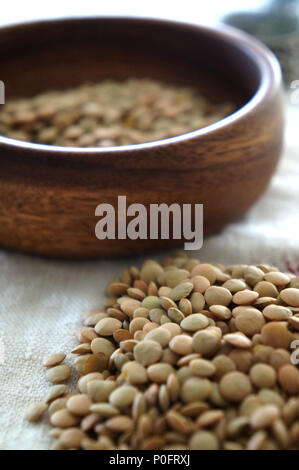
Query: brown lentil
{"points": [[195, 388], [206, 270], [204, 440], [107, 326], [238, 340], [200, 283], [277, 278], [276, 312], [266, 289], [206, 342], [235, 386], [263, 376], [35, 411], [277, 335], [134, 372], [123, 396], [221, 312], [55, 392], [79, 404], [250, 321], [102, 345], [290, 296], [58, 373], [264, 416], [202, 367], [172, 369], [245, 297], [104, 409], [288, 377], [216, 295], [71, 438], [99, 390], [181, 291], [64, 419], [181, 344], [110, 113], [194, 322], [53, 360], [83, 381], [253, 275]]}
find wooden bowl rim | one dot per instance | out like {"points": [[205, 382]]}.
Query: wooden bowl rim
{"points": [[265, 60]]}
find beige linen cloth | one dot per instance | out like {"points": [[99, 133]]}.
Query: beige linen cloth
{"points": [[41, 301]]}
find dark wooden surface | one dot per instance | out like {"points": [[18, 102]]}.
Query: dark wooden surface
{"points": [[48, 198]]}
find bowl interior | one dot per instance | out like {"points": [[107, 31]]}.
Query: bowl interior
{"points": [[36, 57]]}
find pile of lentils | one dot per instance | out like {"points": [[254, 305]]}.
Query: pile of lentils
{"points": [[185, 355], [109, 113]]}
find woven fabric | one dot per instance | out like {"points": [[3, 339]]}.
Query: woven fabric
{"points": [[41, 301]]}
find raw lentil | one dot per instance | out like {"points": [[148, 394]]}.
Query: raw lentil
{"points": [[79, 404], [277, 278], [263, 376], [196, 388], [235, 386], [64, 419], [172, 370], [264, 416], [58, 373], [134, 372], [204, 440], [206, 342], [148, 352], [277, 312], [83, 381], [181, 344], [99, 390], [107, 326], [245, 297], [250, 321], [216, 295], [290, 296], [109, 113], [194, 322], [35, 411], [123, 396], [221, 312], [53, 360], [202, 367], [102, 345], [104, 409], [55, 392], [71, 438], [200, 283]]}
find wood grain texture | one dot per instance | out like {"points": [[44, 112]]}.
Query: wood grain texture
{"points": [[48, 197]]}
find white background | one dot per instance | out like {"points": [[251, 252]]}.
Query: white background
{"points": [[188, 10]]}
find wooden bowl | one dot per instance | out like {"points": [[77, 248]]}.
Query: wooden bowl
{"points": [[48, 194]]}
